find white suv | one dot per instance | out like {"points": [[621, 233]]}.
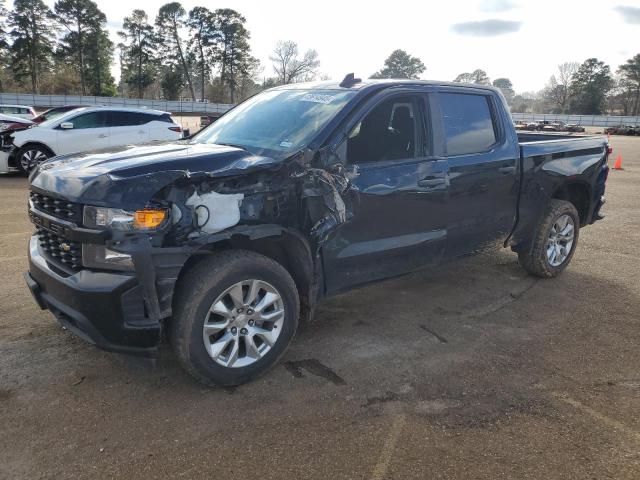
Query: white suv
{"points": [[19, 111], [91, 128]]}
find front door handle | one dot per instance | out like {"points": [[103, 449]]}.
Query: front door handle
{"points": [[432, 182], [507, 170], [103, 135]]}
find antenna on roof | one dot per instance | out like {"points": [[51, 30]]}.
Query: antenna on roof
{"points": [[349, 80]]}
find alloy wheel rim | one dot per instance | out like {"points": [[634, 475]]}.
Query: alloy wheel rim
{"points": [[31, 159], [560, 240], [243, 323]]}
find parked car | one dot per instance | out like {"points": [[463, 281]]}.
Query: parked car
{"points": [[90, 128], [206, 120], [532, 126], [519, 125], [19, 111], [623, 130], [54, 112], [8, 126], [11, 123], [555, 127], [227, 241], [573, 127]]}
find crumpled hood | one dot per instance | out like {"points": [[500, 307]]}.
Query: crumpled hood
{"points": [[127, 177]]}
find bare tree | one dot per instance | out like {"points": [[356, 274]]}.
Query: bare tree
{"points": [[289, 67], [557, 90]]}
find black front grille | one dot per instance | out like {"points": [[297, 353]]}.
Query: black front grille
{"points": [[62, 209], [60, 249]]}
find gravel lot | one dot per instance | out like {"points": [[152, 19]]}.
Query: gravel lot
{"points": [[472, 371]]}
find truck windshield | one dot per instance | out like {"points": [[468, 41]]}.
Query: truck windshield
{"points": [[276, 122]]}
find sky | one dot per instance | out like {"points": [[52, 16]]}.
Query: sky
{"points": [[523, 40]]}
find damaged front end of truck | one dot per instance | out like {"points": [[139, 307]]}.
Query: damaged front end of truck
{"points": [[137, 227]]}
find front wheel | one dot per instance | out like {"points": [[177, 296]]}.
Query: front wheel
{"points": [[30, 156], [234, 315], [554, 242]]}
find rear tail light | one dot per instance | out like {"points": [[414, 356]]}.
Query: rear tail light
{"points": [[176, 129], [609, 150]]}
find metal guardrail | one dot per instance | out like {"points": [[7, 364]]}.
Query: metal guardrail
{"points": [[584, 120], [48, 101]]}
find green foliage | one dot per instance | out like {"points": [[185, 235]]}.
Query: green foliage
{"points": [[400, 65], [506, 87], [630, 76], [589, 87], [31, 23], [86, 47], [478, 76], [202, 46], [233, 51], [169, 23], [139, 56]]}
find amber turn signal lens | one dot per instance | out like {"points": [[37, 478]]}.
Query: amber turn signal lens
{"points": [[148, 218]]}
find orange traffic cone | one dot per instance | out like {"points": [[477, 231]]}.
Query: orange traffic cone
{"points": [[618, 164]]}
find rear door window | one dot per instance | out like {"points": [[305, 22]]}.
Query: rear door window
{"points": [[469, 125], [126, 119]]}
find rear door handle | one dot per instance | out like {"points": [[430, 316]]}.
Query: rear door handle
{"points": [[507, 170], [103, 135]]}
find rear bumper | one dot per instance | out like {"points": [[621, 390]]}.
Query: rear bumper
{"points": [[105, 309]]}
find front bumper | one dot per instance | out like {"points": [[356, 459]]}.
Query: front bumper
{"points": [[103, 308], [4, 162]]}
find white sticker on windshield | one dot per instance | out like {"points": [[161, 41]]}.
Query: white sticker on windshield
{"points": [[317, 98], [286, 144]]}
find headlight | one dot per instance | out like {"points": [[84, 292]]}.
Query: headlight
{"points": [[99, 256], [117, 219]]}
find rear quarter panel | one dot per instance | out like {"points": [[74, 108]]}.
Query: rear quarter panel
{"points": [[549, 165]]}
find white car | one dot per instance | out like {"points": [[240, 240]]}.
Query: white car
{"points": [[90, 128], [19, 111]]}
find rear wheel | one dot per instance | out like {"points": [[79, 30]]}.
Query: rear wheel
{"points": [[30, 156], [555, 241], [234, 316]]}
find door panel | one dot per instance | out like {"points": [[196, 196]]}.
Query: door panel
{"points": [[483, 175], [398, 198], [398, 225], [127, 128], [89, 132], [129, 135]]}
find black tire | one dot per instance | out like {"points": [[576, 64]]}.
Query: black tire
{"points": [[534, 259], [37, 154], [194, 297]]}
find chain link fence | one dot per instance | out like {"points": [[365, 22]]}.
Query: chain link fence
{"points": [[48, 101], [584, 120]]}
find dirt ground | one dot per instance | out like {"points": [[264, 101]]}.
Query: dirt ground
{"points": [[473, 370]]}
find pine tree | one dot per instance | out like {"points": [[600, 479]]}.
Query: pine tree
{"points": [[86, 46], [31, 52], [140, 64], [169, 22]]}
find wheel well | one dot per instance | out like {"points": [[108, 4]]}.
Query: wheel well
{"points": [[37, 144], [287, 249], [578, 195]]}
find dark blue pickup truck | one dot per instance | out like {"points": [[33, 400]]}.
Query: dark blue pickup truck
{"points": [[226, 241]]}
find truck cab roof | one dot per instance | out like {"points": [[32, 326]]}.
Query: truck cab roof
{"points": [[379, 84]]}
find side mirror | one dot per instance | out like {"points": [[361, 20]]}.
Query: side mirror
{"points": [[66, 126]]}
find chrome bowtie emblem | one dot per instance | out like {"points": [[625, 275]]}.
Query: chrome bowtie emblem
{"points": [[65, 247]]}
